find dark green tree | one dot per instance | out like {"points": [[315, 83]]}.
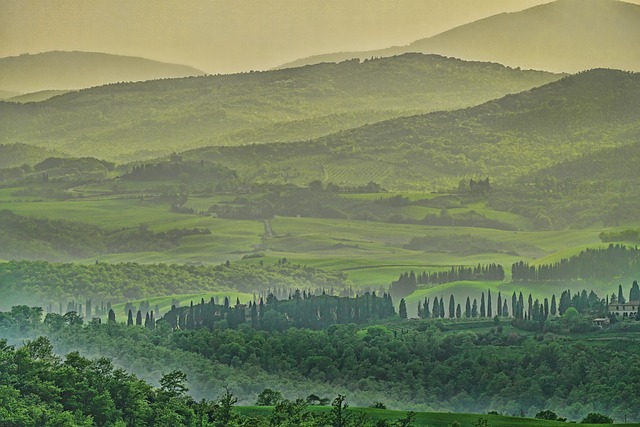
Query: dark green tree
{"points": [[403, 309], [269, 397], [452, 307]]}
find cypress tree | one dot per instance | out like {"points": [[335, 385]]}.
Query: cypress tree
{"points": [[634, 293], [458, 312], [426, 312], [499, 306], [452, 307], [441, 308], [546, 308], [403, 309], [489, 311], [467, 308], [621, 299], [514, 304], [474, 309], [139, 318], [112, 316], [435, 312], [553, 308], [505, 309], [130, 318], [483, 311]]}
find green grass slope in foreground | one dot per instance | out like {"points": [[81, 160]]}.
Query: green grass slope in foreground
{"points": [[135, 121]]}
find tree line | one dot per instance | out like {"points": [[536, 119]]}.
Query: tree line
{"points": [[408, 282], [590, 264], [300, 310]]}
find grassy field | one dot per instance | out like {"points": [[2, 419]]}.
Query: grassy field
{"points": [[424, 419], [371, 253]]}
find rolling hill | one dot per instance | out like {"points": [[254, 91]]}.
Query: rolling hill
{"points": [[132, 121], [77, 70], [506, 138], [13, 155], [41, 95], [565, 35]]}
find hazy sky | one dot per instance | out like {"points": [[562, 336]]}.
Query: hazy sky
{"points": [[232, 35]]}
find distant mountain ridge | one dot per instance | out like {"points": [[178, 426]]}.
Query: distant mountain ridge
{"points": [[60, 70], [125, 122], [562, 36]]}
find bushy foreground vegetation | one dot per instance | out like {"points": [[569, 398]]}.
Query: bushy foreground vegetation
{"points": [[416, 364], [38, 388]]}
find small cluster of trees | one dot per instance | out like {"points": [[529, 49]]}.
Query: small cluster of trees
{"points": [[437, 309], [89, 310]]}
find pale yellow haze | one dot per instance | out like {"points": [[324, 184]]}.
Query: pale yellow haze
{"points": [[222, 36]]}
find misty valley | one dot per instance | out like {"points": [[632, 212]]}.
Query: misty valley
{"points": [[440, 234]]}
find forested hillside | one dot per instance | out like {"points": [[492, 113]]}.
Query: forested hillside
{"points": [[141, 120], [508, 137]]}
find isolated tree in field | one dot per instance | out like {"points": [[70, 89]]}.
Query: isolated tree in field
{"points": [[547, 415], [595, 418], [269, 397], [403, 309]]}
